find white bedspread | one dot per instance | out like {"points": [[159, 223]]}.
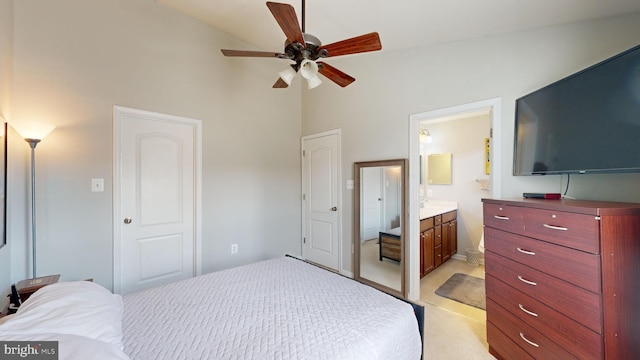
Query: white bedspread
{"points": [[275, 309]]}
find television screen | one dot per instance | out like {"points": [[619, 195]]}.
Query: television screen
{"points": [[588, 122]]}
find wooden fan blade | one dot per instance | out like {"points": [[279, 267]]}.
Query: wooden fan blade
{"points": [[250, 53], [358, 44], [280, 84], [286, 17], [334, 74]]}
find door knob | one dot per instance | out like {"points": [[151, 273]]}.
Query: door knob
{"points": [[127, 220], [334, 209]]}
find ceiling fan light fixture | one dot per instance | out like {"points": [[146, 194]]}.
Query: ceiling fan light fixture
{"points": [[288, 74], [314, 82], [304, 49], [309, 69]]}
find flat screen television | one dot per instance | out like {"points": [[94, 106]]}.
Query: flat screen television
{"points": [[588, 122]]}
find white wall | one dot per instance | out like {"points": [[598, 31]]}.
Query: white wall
{"points": [[75, 59], [6, 50], [373, 112]]}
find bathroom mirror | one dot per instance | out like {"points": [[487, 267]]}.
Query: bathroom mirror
{"points": [[380, 224], [439, 169]]}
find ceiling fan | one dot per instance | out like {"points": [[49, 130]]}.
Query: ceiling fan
{"points": [[305, 50]]}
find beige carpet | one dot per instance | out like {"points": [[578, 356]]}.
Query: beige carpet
{"points": [[385, 272], [452, 330], [448, 335]]}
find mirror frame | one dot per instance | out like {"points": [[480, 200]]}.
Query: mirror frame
{"points": [[404, 223]]}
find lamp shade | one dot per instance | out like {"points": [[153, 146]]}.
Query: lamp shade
{"points": [[309, 69], [287, 75], [425, 136], [314, 82], [33, 130]]}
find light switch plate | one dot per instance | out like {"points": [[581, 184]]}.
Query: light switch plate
{"points": [[349, 184], [97, 185]]}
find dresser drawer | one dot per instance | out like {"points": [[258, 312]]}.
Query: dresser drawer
{"points": [[505, 348], [572, 336], [437, 220], [528, 338], [426, 224], [576, 267], [507, 218], [577, 231], [576, 303]]}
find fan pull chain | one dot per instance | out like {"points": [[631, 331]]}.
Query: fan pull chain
{"points": [[303, 16]]}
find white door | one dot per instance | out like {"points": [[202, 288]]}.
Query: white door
{"points": [[156, 184], [321, 210], [371, 206]]}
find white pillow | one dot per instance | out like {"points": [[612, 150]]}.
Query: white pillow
{"points": [[73, 347], [79, 308]]}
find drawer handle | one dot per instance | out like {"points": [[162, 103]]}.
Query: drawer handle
{"points": [[527, 311], [500, 217], [525, 251], [555, 227], [526, 281], [528, 341]]}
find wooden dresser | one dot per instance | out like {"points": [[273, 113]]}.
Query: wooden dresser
{"points": [[562, 279]]}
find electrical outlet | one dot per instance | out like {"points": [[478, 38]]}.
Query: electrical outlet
{"points": [[234, 248], [430, 193]]}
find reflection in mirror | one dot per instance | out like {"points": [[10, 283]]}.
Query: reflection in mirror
{"points": [[380, 224], [439, 167]]}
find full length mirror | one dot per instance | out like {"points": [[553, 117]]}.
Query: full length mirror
{"points": [[380, 224]]}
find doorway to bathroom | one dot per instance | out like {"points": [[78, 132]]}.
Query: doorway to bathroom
{"points": [[469, 135]]}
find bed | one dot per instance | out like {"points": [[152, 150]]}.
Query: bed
{"points": [[282, 308]]}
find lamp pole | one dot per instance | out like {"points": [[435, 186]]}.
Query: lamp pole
{"points": [[32, 144]]}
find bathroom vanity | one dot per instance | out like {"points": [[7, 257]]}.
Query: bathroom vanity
{"points": [[438, 234]]}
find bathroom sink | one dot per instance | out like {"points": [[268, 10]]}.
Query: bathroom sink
{"points": [[433, 208]]}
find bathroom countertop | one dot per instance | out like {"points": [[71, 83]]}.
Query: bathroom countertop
{"points": [[433, 208]]}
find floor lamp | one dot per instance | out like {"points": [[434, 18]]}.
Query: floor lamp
{"points": [[33, 134]]}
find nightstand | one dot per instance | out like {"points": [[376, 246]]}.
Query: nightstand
{"points": [[27, 287]]}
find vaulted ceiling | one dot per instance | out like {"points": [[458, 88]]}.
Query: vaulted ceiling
{"points": [[400, 23]]}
